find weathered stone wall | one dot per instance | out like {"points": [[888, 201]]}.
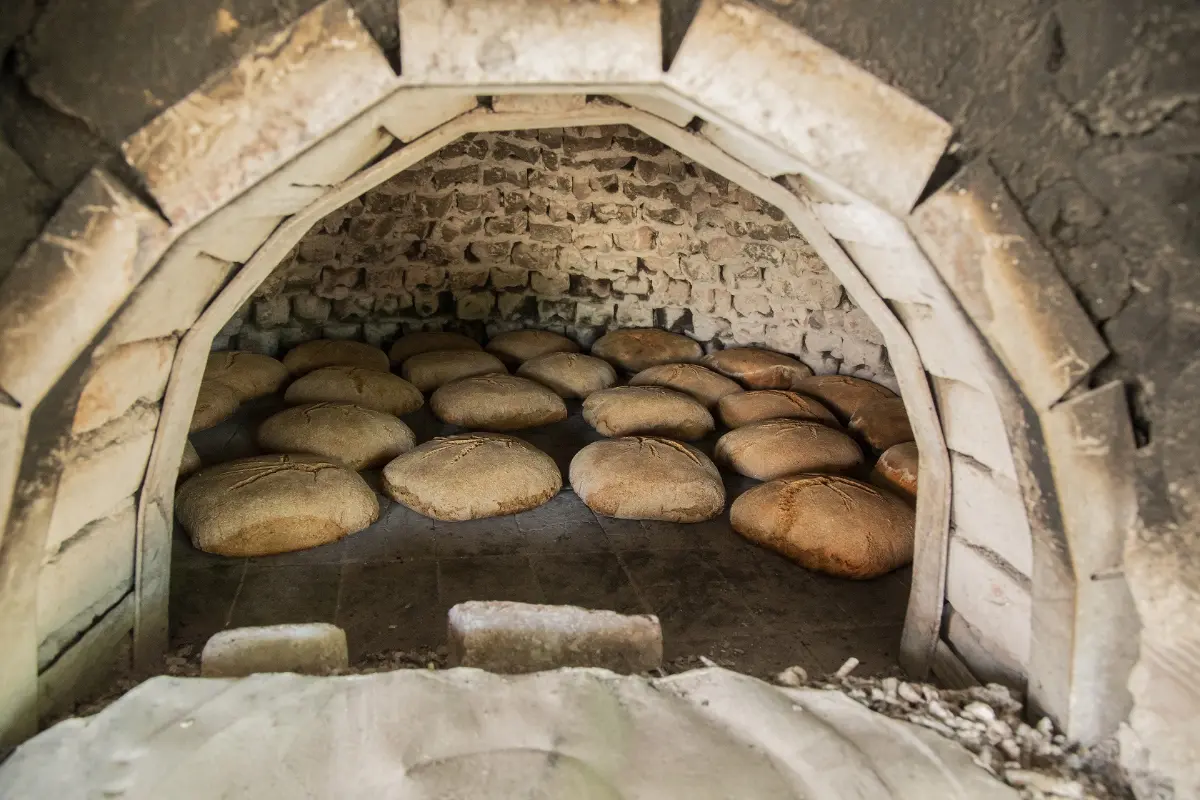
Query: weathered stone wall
{"points": [[578, 230]]}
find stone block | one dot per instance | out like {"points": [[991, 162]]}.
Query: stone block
{"points": [[100, 469], [972, 425], [555, 313], [507, 278], [272, 312], [533, 256], [940, 340], [70, 281], [464, 277], [976, 235], [426, 302], [550, 283], [310, 308], [538, 103], [424, 276], [255, 340], [611, 265], [475, 305], [988, 665], [994, 599], [635, 313], [312, 648], [508, 637], [491, 252], [341, 330], [85, 577], [510, 303], [594, 314], [279, 99], [766, 76], [659, 107], [171, 298], [751, 303], [134, 372], [631, 284], [637, 239], [557, 234], [757, 155], [987, 510], [377, 334]]}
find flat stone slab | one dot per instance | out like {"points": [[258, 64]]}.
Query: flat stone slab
{"points": [[466, 733], [502, 636], [313, 648]]}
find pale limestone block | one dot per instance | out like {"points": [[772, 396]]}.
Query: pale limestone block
{"points": [[479, 42], [987, 510], [171, 298], [86, 576], [70, 281], [940, 341], [768, 77], [130, 373], [972, 425], [976, 236], [658, 106], [282, 97], [756, 154], [100, 469], [509, 637], [313, 648], [993, 599]]}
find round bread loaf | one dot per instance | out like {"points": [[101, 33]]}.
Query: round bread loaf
{"points": [[190, 461], [694, 380], [828, 523], [896, 470], [643, 477], [497, 403], [215, 403], [517, 347], [776, 448], [757, 368], [356, 437], [428, 341], [570, 374], [882, 423], [737, 410], [647, 410], [304, 358], [842, 394], [472, 476], [428, 371], [273, 504], [635, 349], [250, 375], [369, 388]]}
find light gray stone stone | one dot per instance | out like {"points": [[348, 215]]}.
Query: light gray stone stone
{"points": [[312, 648], [509, 637]]}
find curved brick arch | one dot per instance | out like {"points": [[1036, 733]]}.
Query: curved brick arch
{"points": [[241, 183]]}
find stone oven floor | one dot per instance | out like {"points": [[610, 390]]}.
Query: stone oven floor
{"points": [[390, 586]]}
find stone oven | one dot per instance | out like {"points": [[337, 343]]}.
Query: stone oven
{"points": [[718, 175], [578, 231]]}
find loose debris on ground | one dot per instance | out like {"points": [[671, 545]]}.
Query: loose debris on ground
{"points": [[989, 722]]}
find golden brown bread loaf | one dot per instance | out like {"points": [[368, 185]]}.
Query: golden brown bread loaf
{"points": [[517, 347], [737, 410], [779, 447], [828, 523], [647, 411], [413, 344], [756, 368], [250, 375], [369, 388], [273, 504], [694, 380], [881, 423], [644, 477], [497, 403], [472, 476], [304, 358], [896, 470], [842, 394], [570, 375], [215, 403], [428, 371], [635, 349], [351, 435]]}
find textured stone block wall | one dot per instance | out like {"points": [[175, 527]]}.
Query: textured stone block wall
{"points": [[578, 230]]}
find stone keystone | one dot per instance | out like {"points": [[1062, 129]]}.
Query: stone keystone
{"points": [[507, 637], [312, 648]]}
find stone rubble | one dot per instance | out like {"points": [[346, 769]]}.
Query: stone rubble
{"points": [[987, 721]]}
